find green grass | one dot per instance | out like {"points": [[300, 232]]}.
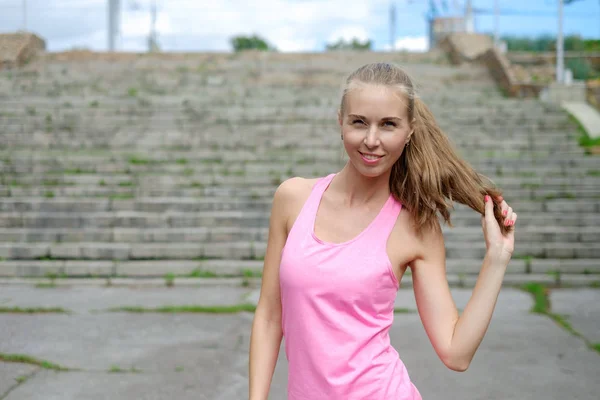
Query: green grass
{"points": [[33, 310], [78, 171], [22, 358], [188, 309], [138, 160], [121, 196], [593, 172], [584, 139], [198, 273], [116, 369], [45, 285], [401, 310], [250, 273], [132, 92], [542, 306], [541, 303]]}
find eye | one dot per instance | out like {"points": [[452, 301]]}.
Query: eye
{"points": [[357, 120], [390, 122]]}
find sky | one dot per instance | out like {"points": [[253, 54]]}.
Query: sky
{"points": [[288, 25]]}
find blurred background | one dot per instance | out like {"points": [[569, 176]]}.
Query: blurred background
{"points": [[141, 143]]}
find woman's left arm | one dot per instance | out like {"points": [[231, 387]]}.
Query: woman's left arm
{"points": [[456, 339]]}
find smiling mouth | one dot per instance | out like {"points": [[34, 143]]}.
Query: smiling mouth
{"points": [[372, 157]]}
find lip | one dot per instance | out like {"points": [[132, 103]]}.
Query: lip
{"points": [[370, 162]]}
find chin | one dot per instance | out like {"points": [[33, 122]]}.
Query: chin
{"points": [[369, 171]]}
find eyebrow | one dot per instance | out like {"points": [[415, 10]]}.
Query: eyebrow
{"points": [[383, 119]]}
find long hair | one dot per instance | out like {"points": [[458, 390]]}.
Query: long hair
{"points": [[429, 175]]}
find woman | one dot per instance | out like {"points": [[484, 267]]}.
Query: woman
{"points": [[339, 245]]}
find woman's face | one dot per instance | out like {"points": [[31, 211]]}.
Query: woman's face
{"points": [[375, 128]]}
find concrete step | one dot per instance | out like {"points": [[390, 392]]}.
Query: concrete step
{"points": [[218, 202], [588, 269], [172, 219], [197, 189], [218, 234], [238, 178], [251, 250]]}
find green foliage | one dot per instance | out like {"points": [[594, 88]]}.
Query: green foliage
{"points": [[355, 44], [548, 43], [582, 68], [254, 42]]}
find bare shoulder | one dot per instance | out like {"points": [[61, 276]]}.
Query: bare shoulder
{"points": [[290, 196], [295, 188]]}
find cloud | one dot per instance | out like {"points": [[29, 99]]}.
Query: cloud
{"points": [[411, 43], [197, 25]]}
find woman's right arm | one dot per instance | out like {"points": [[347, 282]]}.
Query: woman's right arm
{"points": [[266, 335]]}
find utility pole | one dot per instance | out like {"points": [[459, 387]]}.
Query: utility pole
{"points": [[392, 26], [113, 22], [152, 40], [560, 55]]}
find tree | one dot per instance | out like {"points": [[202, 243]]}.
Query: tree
{"points": [[355, 44], [254, 42]]}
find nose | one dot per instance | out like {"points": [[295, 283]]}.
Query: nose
{"points": [[372, 137]]}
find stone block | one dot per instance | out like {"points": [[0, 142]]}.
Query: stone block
{"points": [[105, 251]]}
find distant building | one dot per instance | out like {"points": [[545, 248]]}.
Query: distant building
{"points": [[440, 27]]}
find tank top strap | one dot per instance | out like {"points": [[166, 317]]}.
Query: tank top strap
{"points": [[308, 212], [317, 191], [384, 223]]}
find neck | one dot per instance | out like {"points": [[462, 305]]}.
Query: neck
{"points": [[357, 189]]}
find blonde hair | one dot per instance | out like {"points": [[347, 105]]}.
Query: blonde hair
{"points": [[429, 175]]}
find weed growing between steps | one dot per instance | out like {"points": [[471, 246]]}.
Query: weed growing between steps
{"points": [[33, 310], [25, 359], [116, 369], [584, 139], [234, 309], [541, 305], [188, 309]]}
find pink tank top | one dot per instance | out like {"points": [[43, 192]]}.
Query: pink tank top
{"points": [[337, 308]]}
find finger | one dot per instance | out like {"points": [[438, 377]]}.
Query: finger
{"points": [[508, 218], [514, 218], [504, 208], [489, 209]]}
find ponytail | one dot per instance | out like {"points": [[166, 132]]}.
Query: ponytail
{"points": [[429, 175]]}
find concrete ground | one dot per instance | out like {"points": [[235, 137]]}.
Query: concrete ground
{"points": [[119, 355]]}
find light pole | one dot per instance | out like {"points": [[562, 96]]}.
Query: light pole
{"points": [[560, 56]]}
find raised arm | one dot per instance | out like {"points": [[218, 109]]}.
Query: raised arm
{"points": [[456, 339]]}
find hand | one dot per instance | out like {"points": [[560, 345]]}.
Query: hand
{"points": [[497, 244]]}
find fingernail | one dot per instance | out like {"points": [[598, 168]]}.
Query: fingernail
{"points": [[487, 198], [506, 223], [504, 213]]}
